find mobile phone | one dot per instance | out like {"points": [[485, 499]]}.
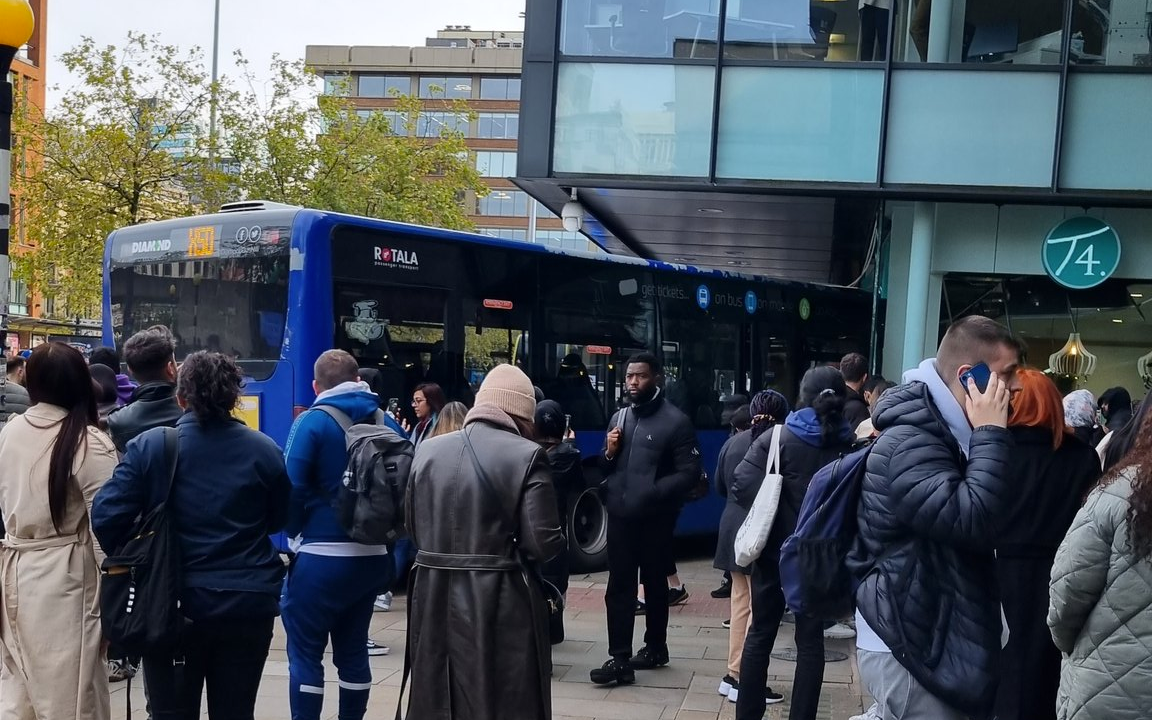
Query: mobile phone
{"points": [[980, 374], [394, 406], [567, 426]]}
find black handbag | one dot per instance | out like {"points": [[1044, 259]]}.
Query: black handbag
{"points": [[553, 598], [140, 583]]}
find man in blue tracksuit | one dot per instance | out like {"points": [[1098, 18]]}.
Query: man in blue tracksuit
{"points": [[333, 581]]}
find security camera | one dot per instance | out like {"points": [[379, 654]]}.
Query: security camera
{"points": [[573, 216]]}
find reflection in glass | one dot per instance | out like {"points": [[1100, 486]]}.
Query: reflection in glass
{"points": [[957, 127], [1106, 143], [450, 88], [1112, 32], [639, 28], [800, 123], [633, 119], [980, 31]]}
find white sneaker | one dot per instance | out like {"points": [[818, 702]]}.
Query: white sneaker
{"points": [[839, 631], [872, 713], [383, 602], [726, 685]]}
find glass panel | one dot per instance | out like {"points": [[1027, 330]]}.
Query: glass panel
{"points": [[982, 31], [337, 84], [499, 88], [800, 124], [1112, 33], [505, 233], [234, 305], [499, 126], [640, 28], [503, 203], [451, 88], [396, 119], [700, 366], [383, 86], [434, 124], [1106, 140], [492, 163], [633, 119], [952, 127], [800, 30]]}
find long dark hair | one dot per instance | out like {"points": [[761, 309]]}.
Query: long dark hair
{"points": [[1139, 459], [209, 385], [1124, 439], [57, 375], [823, 389]]}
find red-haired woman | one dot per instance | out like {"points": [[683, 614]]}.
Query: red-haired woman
{"points": [[1052, 470]]}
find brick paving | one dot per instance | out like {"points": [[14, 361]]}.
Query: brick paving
{"points": [[685, 690]]}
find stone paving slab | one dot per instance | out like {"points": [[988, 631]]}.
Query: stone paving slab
{"points": [[685, 690]]}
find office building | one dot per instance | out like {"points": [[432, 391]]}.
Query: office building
{"points": [[480, 68], [993, 157]]}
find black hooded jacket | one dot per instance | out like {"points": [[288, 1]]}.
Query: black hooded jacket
{"points": [[924, 555]]}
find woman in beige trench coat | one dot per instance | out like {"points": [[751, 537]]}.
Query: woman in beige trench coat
{"points": [[53, 461]]}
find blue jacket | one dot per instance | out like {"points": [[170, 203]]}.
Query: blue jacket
{"points": [[316, 457], [229, 495]]}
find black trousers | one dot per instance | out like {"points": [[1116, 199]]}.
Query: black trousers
{"points": [[641, 545], [873, 33], [767, 612], [228, 657]]}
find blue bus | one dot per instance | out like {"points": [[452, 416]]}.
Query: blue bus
{"points": [[274, 286]]}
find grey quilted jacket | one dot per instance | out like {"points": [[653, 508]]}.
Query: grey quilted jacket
{"points": [[1100, 613]]}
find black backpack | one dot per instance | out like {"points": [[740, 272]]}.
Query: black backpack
{"points": [[370, 502], [141, 583]]}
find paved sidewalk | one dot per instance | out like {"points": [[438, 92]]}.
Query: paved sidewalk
{"points": [[685, 690]]}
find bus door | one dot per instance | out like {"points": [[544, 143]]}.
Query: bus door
{"points": [[397, 330]]}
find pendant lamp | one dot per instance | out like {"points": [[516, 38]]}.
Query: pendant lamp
{"points": [[1073, 359]]}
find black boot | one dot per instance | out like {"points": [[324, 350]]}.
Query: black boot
{"points": [[650, 657], [614, 671]]}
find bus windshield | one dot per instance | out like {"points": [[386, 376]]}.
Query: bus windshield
{"points": [[221, 296]]}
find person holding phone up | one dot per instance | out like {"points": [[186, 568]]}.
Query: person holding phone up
{"points": [[929, 623], [651, 462]]}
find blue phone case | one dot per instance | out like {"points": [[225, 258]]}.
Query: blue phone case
{"points": [[981, 373]]}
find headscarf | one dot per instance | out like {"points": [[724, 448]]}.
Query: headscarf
{"points": [[768, 408], [1080, 409]]}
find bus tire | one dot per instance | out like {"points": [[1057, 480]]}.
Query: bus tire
{"points": [[587, 532]]}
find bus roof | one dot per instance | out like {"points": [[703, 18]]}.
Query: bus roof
{"points": [[300, 218]]}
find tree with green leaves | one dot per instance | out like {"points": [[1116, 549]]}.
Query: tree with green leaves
{"points": [[122, 148], [129, 145], [325, 154]]}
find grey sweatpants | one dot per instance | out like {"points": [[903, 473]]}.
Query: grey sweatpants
{"points": [[898, 695]]}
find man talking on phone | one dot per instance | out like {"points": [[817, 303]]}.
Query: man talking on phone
{"points": [[928, 620], [651, 462]]}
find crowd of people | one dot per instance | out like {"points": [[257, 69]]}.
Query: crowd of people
{"points": [[1001, 558]]}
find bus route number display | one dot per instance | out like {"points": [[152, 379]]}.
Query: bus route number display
{"points": [[202, 241]]}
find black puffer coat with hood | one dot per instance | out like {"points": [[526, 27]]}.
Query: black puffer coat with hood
{"points": [[925, 551]]}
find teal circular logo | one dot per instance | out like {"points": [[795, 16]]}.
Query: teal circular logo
{"points": [[1081, 252], [805, 309]]}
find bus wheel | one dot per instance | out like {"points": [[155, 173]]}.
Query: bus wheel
{"points": [[587, 532]]}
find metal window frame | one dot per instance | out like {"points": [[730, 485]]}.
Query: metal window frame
{"points": [[1053, 193]]}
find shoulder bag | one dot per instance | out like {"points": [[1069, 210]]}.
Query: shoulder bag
{"points": [[753, 534]]}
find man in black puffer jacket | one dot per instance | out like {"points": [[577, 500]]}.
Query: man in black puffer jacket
{"points": [[928, 620], [151, 359], [651, 463]]}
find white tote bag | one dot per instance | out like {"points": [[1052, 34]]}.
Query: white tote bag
{"points": [[753, 534]]}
